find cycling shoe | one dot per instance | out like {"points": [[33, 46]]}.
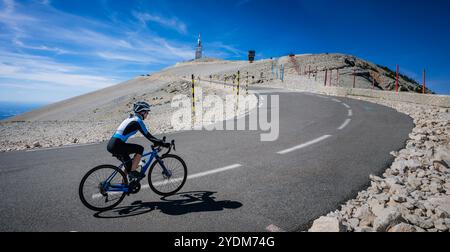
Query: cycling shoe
{"points": [[135, 175]]}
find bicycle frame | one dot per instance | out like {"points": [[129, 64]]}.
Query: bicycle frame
{"points": [[124, 188]]}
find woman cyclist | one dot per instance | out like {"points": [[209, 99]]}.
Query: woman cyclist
{"points": [[119, 147]]}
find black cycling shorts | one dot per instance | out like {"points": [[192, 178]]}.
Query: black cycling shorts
{"points": [[123, 150]]}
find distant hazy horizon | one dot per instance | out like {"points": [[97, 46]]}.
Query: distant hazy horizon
{"points": [[9, 109]]}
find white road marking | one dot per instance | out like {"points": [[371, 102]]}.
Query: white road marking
{"points": [[304, 145], [345, 124], [197, 175], [347, 106], [321, 96], [350, 112], [202, 174], [273, 228], [336, 100]]}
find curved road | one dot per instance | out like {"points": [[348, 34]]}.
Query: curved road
{"points": [[325, 152]]}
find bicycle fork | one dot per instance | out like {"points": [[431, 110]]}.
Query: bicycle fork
{"points": [[165, 172]]}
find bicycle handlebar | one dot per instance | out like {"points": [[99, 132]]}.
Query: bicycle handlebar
{"points": [[172, 145]]}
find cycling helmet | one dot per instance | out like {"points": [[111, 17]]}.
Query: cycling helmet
{"points": [[141, 106]]}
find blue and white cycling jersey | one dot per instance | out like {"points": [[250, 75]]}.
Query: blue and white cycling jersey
{"points": [[130, 127]]}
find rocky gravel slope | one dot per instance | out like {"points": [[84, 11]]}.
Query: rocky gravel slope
{"points": [[413, 194]]}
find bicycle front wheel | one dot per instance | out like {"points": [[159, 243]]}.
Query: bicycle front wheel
{"points": [[95, 189], [167, 184]]}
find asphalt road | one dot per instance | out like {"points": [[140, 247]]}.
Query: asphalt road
{"points": [[326, 151]]}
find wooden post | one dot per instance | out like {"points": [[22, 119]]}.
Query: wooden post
{"points": [[354, 78], [326, 75]]}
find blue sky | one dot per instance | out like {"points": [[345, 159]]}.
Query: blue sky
{"points": [[55, 49]]}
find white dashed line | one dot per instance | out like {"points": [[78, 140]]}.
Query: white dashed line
{"points": [[336, 100], [350, 112], [346, 105], [321, 96], [303, 145], [202, 174], [197, 175], [273, 228], [345, 124]]}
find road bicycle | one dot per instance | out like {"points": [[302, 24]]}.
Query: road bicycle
{"points": [[105, 186]]}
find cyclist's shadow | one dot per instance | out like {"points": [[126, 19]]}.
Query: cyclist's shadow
{"points": [[178, 204]]}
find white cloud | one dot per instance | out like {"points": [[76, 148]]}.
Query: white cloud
{"points": [[41, 69], [41, 48], [8, 69], [95, 50], [172, 23], [224, 49], [35, 62], [141, 58], [108, 41], [182, 52]]}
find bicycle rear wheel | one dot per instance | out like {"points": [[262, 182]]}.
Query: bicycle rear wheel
{"points": [[92, 188], [165, 185]]}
